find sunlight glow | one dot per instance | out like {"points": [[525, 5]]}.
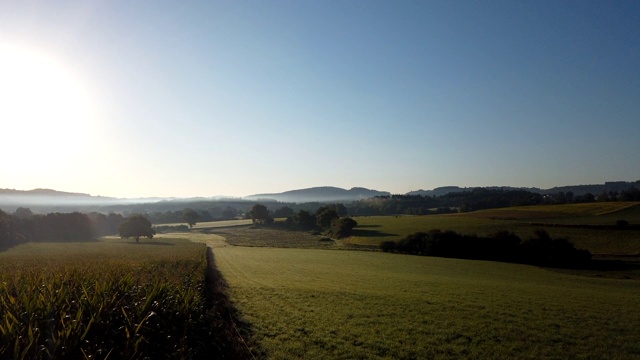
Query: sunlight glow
{"points": [[45, 111]]}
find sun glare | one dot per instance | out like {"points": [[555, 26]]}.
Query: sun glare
{"points": [[45, 111]]}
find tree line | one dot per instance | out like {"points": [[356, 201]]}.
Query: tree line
{"points": [[332, 219], [23, 226], [477, 199], [504, 246]]}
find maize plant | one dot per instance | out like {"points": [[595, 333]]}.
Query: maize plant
{"points": [[105, 307]]}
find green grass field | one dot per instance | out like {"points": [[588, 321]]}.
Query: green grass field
{"points": [[606, 241], [301, 298], [319, 304]]}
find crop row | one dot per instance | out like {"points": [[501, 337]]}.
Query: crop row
{"points": [[99, 309]]}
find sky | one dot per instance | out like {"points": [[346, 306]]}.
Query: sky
{"points": [[204, 98]]}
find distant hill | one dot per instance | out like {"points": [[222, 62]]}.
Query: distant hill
{"points": [[36, 198], [610, 186], [578, 190], [441, 191], [47, 200], [41, 192], [320, 194]]}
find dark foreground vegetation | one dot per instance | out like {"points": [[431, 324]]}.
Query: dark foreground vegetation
{"points": [[503, 246], [118, 304]]}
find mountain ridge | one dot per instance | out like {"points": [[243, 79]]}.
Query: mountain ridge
{"points": [[313, 194], [320, 194], [595, 189], [43, 191]]}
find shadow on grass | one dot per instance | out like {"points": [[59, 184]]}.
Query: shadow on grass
{"points": [[368, 226], [369, 233], [155, 243], [609, 268], [236, 334]]}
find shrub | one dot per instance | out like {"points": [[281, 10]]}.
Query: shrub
{"points": [[342, 227], [543, 250], [502, 246], [622, 223], [388, 246]]}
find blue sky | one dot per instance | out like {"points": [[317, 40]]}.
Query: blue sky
{"points": [[242, 97]]}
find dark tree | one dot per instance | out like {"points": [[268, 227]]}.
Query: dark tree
{"points": [[259, 214], [388, 246], [229, 213], [105, 224], [136, 226], [303, 220], [190, 216], [340, 209], [325, 215], [283, 212], [7, 235], [23, 213], [342, 227], [622, 223], [113, 223]]}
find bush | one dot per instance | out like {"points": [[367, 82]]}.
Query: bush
{"points": [[622, 223], [388, 246], [342, 227], [543, 250], [303, 220], [502, 246]]}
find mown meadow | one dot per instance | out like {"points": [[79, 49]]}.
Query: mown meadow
{"points": [[107, 299], [303, 299], [319, 304]]}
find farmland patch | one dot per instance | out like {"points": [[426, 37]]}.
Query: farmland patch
{"points": [[336, 304]]}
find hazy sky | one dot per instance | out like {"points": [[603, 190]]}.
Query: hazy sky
{"points": [[186, 98]]}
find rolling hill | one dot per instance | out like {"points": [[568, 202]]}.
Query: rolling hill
{"points": [[320, 194]]}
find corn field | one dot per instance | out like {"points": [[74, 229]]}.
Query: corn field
{"points": [[106, 307]]}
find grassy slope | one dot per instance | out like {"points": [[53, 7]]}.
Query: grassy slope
{"points": [[334, 304], [375, 229], [600, 213]]}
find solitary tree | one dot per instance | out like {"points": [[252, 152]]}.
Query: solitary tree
{"points": [[259, 214], [136, 226], [190, 216]]}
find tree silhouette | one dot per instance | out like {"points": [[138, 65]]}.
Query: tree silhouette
{"points": [[259, 214], [190, 216], [136, 227]]}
